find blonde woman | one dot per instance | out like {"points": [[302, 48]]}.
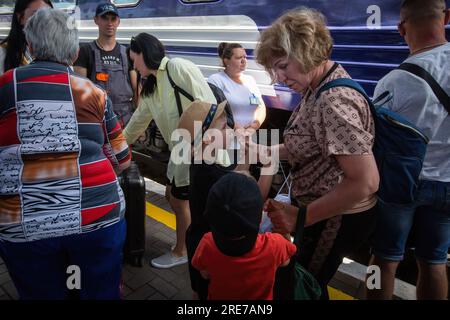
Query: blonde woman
{"points": [[328, 142]]}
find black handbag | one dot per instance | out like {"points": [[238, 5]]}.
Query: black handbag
{"points": [[294, 282]]}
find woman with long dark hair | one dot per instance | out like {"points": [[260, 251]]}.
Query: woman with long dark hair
{"points": [[158, 102], [13, 50]]}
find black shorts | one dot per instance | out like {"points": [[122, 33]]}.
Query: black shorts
{"points": [[181, 193]]}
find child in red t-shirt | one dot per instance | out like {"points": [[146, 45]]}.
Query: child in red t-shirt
{"points": [[239, 262]]}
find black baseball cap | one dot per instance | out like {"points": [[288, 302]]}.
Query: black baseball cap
{"points": [[105, 8], [234, 209]]}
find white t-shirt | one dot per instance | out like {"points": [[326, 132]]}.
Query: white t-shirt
{"points": [[243, 98], [413, 98]]}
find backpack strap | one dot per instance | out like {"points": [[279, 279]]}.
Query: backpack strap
{"points": [[124, 58], [177, 91], [425, 75], [345, 82], [97, 61]]}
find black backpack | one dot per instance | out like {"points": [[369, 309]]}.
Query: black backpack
{"points": [[218, 94]]}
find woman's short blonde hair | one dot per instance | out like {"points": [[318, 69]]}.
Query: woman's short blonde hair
{"points": [[301, 34]]}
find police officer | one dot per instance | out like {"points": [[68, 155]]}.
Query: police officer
{"points": [[105, 62]]}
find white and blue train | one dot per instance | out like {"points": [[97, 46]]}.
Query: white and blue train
{"points": [[366, 41]]}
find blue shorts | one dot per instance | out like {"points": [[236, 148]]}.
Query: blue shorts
{"points": [[39, 269], [430, 214]]}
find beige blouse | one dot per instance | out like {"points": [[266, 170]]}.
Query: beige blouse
{"points": [[338, 122]]}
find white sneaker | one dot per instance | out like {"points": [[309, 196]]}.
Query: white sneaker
{"points": [[168, 260]]}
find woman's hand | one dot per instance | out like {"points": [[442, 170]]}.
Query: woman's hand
{"points": [[254, 125], [248, 153], [282, 215]]}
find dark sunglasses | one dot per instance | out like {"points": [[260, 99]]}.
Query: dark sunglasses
{"points": [[135, 43]]}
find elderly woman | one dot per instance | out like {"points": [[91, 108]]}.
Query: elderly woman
{"points": [[61, 207], [328, 142]]}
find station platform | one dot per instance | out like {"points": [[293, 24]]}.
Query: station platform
{"points": [[148, 283]]}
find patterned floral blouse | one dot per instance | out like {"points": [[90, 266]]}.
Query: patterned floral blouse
{"points": [[338, 122]]}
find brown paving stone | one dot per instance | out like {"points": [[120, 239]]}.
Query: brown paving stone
{"points": [[166, 274], [185, 294], [3, 268], [163, 287], [181, 269], [126, 291], [165, 237], [182, 283], [149, 240], [140, 279], [131, 269], [4, 278], [142, 293], [158, 226], [162, 204], [126, 274], [161, 246], [157, 296], [167, 208], [171, 234], [11, 290]]}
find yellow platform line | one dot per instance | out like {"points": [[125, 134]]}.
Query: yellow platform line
{"points": [[161, 215], [335, 294], [168, 219]]}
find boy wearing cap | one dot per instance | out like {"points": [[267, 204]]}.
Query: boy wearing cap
{"points": [[105, 62], [240, 262], [209, 142], [204, 173]]}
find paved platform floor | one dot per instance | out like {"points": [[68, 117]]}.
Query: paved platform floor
{"points": [[148, 283]]}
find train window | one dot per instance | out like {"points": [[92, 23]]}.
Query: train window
{"points": [[198, 1], [124, 3], [64, 4], [7, 6]]}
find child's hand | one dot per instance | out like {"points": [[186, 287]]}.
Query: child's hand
{"points": [[254, 125], [282, 215], [205, 274]]}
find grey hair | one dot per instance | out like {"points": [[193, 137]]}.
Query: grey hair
{"points": [[52, 36]]}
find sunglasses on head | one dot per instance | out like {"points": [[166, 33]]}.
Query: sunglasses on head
{"points": [[135, 43]]}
